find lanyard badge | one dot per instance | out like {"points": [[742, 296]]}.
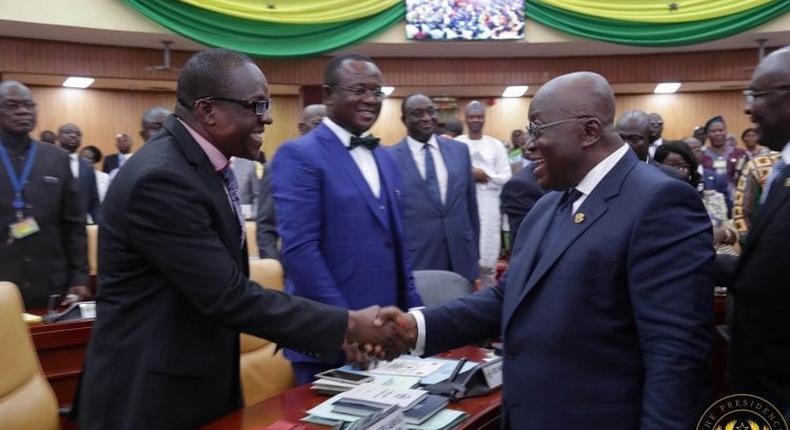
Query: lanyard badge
{"points": [[24, 226]]}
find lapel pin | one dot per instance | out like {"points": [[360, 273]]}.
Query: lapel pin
{"points": [[579, 218], [787, 182]]}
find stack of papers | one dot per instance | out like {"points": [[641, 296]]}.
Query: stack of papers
{"points": [[331, 387], [442, 368], [376, 395]]}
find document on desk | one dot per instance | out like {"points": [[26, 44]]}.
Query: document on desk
{"points": [[406, 367], [323, 414]]}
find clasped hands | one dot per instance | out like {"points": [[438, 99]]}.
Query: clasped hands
{"points": [[377, 333]]}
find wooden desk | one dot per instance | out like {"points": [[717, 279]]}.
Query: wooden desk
{"points": [[290, 406], [61, 351]]}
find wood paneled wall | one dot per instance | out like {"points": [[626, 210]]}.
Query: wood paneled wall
{"points": [[681, 112], [65, 58], [101, 114]]}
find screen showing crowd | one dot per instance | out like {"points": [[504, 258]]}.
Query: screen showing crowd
{"points": [[464, 19]]}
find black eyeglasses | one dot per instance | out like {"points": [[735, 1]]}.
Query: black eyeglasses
{"points": [[751, 95], [260, 107], [360, 91], [534, 129]]}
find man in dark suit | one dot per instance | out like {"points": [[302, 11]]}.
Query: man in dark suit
{"points": [[519, 196], [761, 322], [52, 257], [174, 292], [439, 204], [114, 161], [337, 196], [70, 139], [266, 232], [602, 327], [634, 128], [153, 120]]}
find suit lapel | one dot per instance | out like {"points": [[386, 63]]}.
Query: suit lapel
{"points": [[341, 157], [777, 197], [228, 224], [593, 207], [408, 160]]}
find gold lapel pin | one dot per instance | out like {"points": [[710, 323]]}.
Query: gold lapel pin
{"points": [[787, 182], [578, 218]]}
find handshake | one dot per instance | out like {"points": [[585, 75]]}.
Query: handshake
{"points": [[378, 333]]}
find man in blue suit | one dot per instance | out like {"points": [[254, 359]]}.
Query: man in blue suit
{"points": [[606, 312], [439, 205], [337, 196]]}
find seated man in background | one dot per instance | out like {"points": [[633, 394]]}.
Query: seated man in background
{"points": [[175, 291], [601, 327], [634, 127], [438, 200], [43, 245]]}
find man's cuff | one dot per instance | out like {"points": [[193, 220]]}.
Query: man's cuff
{"points": [[419, 347]]}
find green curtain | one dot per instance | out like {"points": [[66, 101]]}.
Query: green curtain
{"points": [[647, 34], [657, 11], [299, 11], [264, 39], [269, 39]]}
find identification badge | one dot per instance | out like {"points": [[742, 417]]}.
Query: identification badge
{"points": [[720, 165], [492, 371], [24, 228]]}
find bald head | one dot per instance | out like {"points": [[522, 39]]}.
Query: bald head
{"points": [[17, 109], [475, 116], [695, 145], [573, 95], [153, 120], [770, 110], [312, 117], [634, 128]]}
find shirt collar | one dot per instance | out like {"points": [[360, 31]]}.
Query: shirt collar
{"points": [[214, 156], [343, 135], [597, 173], [415, 145]]}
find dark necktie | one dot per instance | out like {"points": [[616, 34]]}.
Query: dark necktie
{"points": [[431, 179], [561, 217], [369, 142], [229, 178]]}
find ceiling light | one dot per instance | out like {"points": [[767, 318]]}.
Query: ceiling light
{"points": [[387, 90], [667, 88], [77, 82], [515, 91]]}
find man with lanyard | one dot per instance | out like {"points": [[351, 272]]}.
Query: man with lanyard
{"points": [[42, 231]]}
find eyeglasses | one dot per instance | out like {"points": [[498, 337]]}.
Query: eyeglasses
{"points": [[260, 107], [751, 95], [682, 167], [534, 129], [360, 91]]}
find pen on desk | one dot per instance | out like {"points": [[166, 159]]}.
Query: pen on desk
{"points": [[457, 369]]}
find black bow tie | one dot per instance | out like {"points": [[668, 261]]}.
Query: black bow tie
{"points": [[369, 142]]}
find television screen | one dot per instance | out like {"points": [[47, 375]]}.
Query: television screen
{"points": [[464, 19]]}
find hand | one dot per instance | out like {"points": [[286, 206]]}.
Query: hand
{"points": [[77, 294], [480, 175], [405, 322], [382, 340], [719, 236], [358, 358]]}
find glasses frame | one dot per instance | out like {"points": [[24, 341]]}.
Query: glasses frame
{"points": [[260, 107], [359, 92], [534, 129], [752, 95]]}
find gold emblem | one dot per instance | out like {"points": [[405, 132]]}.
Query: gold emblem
{"points": [[787, 182], [579, 218]]}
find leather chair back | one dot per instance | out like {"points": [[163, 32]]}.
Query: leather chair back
{"points": [[92, 231], [26, 398], [438, 286], [264, 373], [250, 229]]}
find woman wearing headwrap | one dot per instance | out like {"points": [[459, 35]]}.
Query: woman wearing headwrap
{"points": [[717, 155]]}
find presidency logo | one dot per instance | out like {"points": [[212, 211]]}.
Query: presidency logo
{"points": [[742, 412]]}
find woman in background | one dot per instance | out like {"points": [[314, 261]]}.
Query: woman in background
{"points": [[94, 155]]}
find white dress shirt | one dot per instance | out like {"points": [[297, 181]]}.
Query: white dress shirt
{"points": [[585, 186], [74, 163], [418, 153], [362, 156]]}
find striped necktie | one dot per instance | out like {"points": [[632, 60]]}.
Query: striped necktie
{"points": [[232, 186]]}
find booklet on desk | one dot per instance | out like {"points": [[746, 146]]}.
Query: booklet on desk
{"points": [[375, 394], [417, 414]]}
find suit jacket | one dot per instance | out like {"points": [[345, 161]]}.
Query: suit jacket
{"points": [[760, 350], [266, 233], [519, 196], [340, 244], [174, 296], [89, 190], [612, 326], [55, 258], [248, 181], [438, 233], [110, 163]]}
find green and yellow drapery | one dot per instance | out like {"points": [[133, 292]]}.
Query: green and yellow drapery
{"points": [[291, 28]]}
